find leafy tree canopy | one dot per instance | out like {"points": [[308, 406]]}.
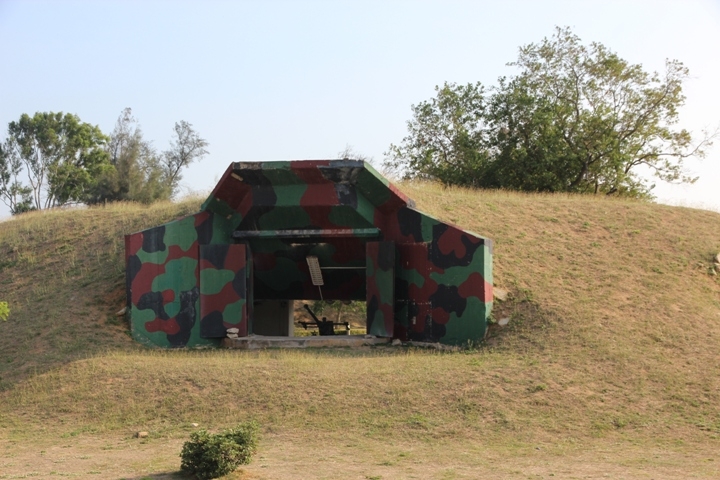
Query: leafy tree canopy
{"points": [[186, 147], [137, 174], [54, 159], [60, 155], [141, 173], [574, 118]]}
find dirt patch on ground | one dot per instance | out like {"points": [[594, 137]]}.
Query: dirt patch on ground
{"points": [[284, 456]]}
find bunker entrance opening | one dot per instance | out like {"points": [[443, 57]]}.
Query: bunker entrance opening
{"points": [[274, 277], [330, 317]]}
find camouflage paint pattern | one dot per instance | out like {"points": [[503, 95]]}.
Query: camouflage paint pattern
{"points": [[223, 289], [191, 279], [380, 279], [162, 281]]}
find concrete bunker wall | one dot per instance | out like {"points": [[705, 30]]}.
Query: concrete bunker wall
{"points": [[190, 280]]}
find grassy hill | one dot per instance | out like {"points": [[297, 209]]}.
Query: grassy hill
{"points": [[609, 362]]}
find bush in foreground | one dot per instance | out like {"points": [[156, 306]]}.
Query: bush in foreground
{"points": [[209, 455]]}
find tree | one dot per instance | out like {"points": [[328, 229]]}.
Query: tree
{"points": [[4, 311], [12, 192], [575, 118], [68, 161], [61, 156], [447, 138], [186, 147], [140, 173], [137, 174]]}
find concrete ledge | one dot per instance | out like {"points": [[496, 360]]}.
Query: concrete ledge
{"points": [[259, 341]]}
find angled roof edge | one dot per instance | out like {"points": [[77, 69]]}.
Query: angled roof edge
{"points": [[369, 182]]}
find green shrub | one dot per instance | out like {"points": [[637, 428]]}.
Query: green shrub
{"points": [[213, 455], [4, 311]]}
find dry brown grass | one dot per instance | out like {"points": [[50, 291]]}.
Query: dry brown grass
{"points": [[625, 309], [611, 348], [62, 272]]}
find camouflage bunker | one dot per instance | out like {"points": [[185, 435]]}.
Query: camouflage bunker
{"points": [[273, 232]]}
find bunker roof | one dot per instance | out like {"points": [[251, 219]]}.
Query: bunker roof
{"points": [[305, 197]]}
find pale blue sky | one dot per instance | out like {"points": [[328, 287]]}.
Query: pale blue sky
{"points": [[276, 80]]}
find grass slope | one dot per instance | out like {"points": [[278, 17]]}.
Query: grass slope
{"points": [[613, 336]]}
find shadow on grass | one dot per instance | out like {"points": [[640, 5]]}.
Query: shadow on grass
{"points": [[520, 319], [160, 476], [236, 475]]}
